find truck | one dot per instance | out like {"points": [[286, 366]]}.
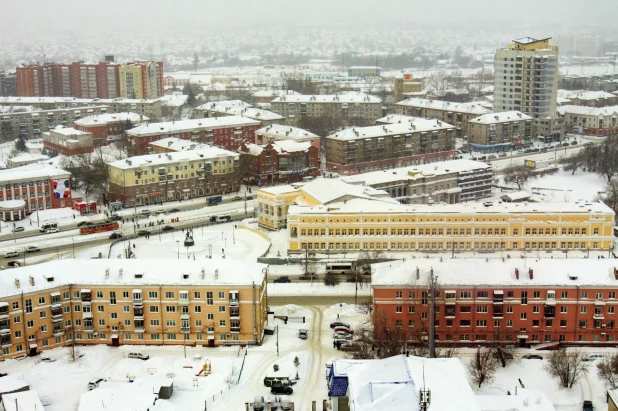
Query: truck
{"points": [[214, 200], [268, 381]]}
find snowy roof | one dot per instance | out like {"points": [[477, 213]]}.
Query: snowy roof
{"points": [[27, 157], [414, 172], [283, 146], [191, 125], [517, 195], [111, 118], [470, 108], [329, 98], [10, 383], [274, 93], [69, 131], [327, 190], [502, 117], [126, 397], [525, 400], [203, 153], [169, 272], [394, 383], [12, 204], [287, 132], [175, 100], [222, 106], [481, 209], [496, 273], [590, 111], [178, 144], [590, 95], [75, 100], [22, 401], [254, 113], [526, 40], [398, 118], [422, 125]]}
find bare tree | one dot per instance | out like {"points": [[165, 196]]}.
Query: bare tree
{"points": [[502, 351], [610, 196], [388, 337], [482, 366], [574, 162], [364, 344], [89, 171], [517, 175], [566, 366], [607, 369]]}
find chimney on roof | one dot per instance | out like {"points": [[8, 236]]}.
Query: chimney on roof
{"points": [[517, 273], [106, 273], [202, 273], [17, 284], [615, 273], [531, 273], [497, 118], [31, 279], [216, 273], [120, 273], [418, 273]]}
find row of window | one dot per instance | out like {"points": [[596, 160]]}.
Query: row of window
{"points": [[509, 323], [510, 294], [447, 245], [484, 309], [439, 232]]}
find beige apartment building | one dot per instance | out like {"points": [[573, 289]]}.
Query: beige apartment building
{"points": [[349, 105], [141, 302], [406, 83], [499, 131]]}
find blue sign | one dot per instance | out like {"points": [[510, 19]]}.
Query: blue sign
{"points": [[338, 386]]}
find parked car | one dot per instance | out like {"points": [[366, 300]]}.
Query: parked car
{"points": [[502, 155], [342, 335], [535, 150], [474, 158], [144, 213], [278, 388], [248, 198], [587, 406], [52, 230], [593, 357], [115, 236], [32, 249], [17, 229], [11, 254], [142, 233], [3, 374], [47, 359], [14, 263], [94, 383], [573, 143], [565, 144], [167, 228], [349, 346], [302, 334], [138, 355], [236, 198], [173, 210], [283, 279], [491, 157], [83, 223], [544, 150], [344, 330], [115, 217], [532, 357], [483, 158], [339, 324], [308, 276]]}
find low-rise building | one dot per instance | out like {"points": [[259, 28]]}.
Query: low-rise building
{"points": [[602, 121], [174, 144], [457, 114], [378, 224], [448, 182], [40, 185], [24, 159], [406, 83], [128, 301], [550, 129], [109, 127], [358, 149], [266, 96], [173, 176], [364, 71], [499, 131], [210, 110], [592, 98], [227, 132], [284, 161], [277, 132], [514, 301], [348, 105], [68, 141]]}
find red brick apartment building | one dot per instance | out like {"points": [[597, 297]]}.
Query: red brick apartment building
{"points": [[524, 301], [106, 128], [224, 132]]}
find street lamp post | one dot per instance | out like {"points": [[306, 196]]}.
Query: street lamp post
{"points": [[178, 244], [73, 242]]}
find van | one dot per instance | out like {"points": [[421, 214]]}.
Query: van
{"points": [[11, 254], [144, 213], [139, 356], [224, 218]]}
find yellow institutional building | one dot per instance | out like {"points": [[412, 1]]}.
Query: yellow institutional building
{"points": [[324, 216]]}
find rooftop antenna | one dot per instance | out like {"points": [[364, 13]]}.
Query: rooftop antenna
{"points": [[424, 394]]}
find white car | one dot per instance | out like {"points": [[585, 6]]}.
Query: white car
{"points": [[342, 336], [52, 230], [11, 254], [593, 357]]}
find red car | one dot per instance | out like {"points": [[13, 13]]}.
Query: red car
{"points": [[343, 330]]}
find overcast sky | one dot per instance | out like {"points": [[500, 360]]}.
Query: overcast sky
{"points": [[84, 15]]}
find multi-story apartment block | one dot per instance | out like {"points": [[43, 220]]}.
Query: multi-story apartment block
{"points": [[277, 132], [448, 182], [154, 178], [406, 83], [17, 123], [8, 84], [40, 186], [264, 97], [359, 149], [141, 80], [108, 127], [359, 105], [457, 114], [592, 98], [152, 108], [237, 108], [124, 302], [364, 71], [601, 121], [226, 132], [486, 227], [551, 129], [499, 131], [284, 161], [517, 301], [526, 78], [68, 141], [173, 144]]}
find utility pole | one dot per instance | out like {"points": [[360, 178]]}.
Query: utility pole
{"points": [[73, 242], [356, 286], [432, 316], [277, 341]]}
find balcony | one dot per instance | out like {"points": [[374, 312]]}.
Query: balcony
{"points": [[139, 329], [5, 327], [450, 297], [598, 316], [88, 328], [549, 314], [58, 331], [498, 313], [234, 300], [138, 313], [86, 295], [234, 312], [183, 298], [137, 298], [449, 312], [5, 340], [235, 328], [4, 310], [56, 314]]}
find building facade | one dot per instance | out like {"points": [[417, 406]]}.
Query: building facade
{"points": [[360, 149], [499, 131], [141, 80], [457, 114], [278, 162], [590, 120], [359, 105], [155, 178], [406, 83], [41, 186], [8, 84], [472, 227], [277, 132], [571, 301], [109, 127], [173, 144], [68, 141], [237, 108], [132, 302], [526, 78], [364, 71], [226, 132]]}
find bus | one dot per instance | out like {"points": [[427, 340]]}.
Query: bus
{"points": [[46, 226], [339, 268], [99, 228]]}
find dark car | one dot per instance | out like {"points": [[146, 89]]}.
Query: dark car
{"points": [[14, 263], [278, 388], [528, 150], [248, 198], [115, 236], [167, 228], [3, 374], [283, 279], [532, 357], [535, 150], [587, 406], [339, 324], [308, 276], [544, 150], [142, 233], [302, 334], [173, 210], [213, 219], [565, 144], [115, 217], [237, 198], [83, 223], [573, 143]]}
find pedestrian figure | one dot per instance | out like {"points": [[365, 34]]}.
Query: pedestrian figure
{"points": [[334, 344], [30, 223], [337, 317], [73, 216]]}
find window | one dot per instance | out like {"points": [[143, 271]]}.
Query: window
{"points": [[464, 323], [171, 336], [112, 297], [584, 295], [583, 309], [41, 300], [127, 323], [101, 322], [30, 323], [563, 323], [509, 309], [211, 316], [565, 294], [154, 323], [524, 297], [465, 294], [169, 294], [221, 323], [99, 294], [170, 308], [563, 309], [465, 309], [100, 308], [114, 316], [153, 308], [481, 323], [411, 309], [197, 295], [170, 323], [221, 294], [481, 309], [152, 294], [482, 294], [399, 294], [209, 298], [398, 309], [125, 294], [536, 309], [43, 314], [221, 308], [523, 316], [197, 309], [610, 310], [509, 323]]}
